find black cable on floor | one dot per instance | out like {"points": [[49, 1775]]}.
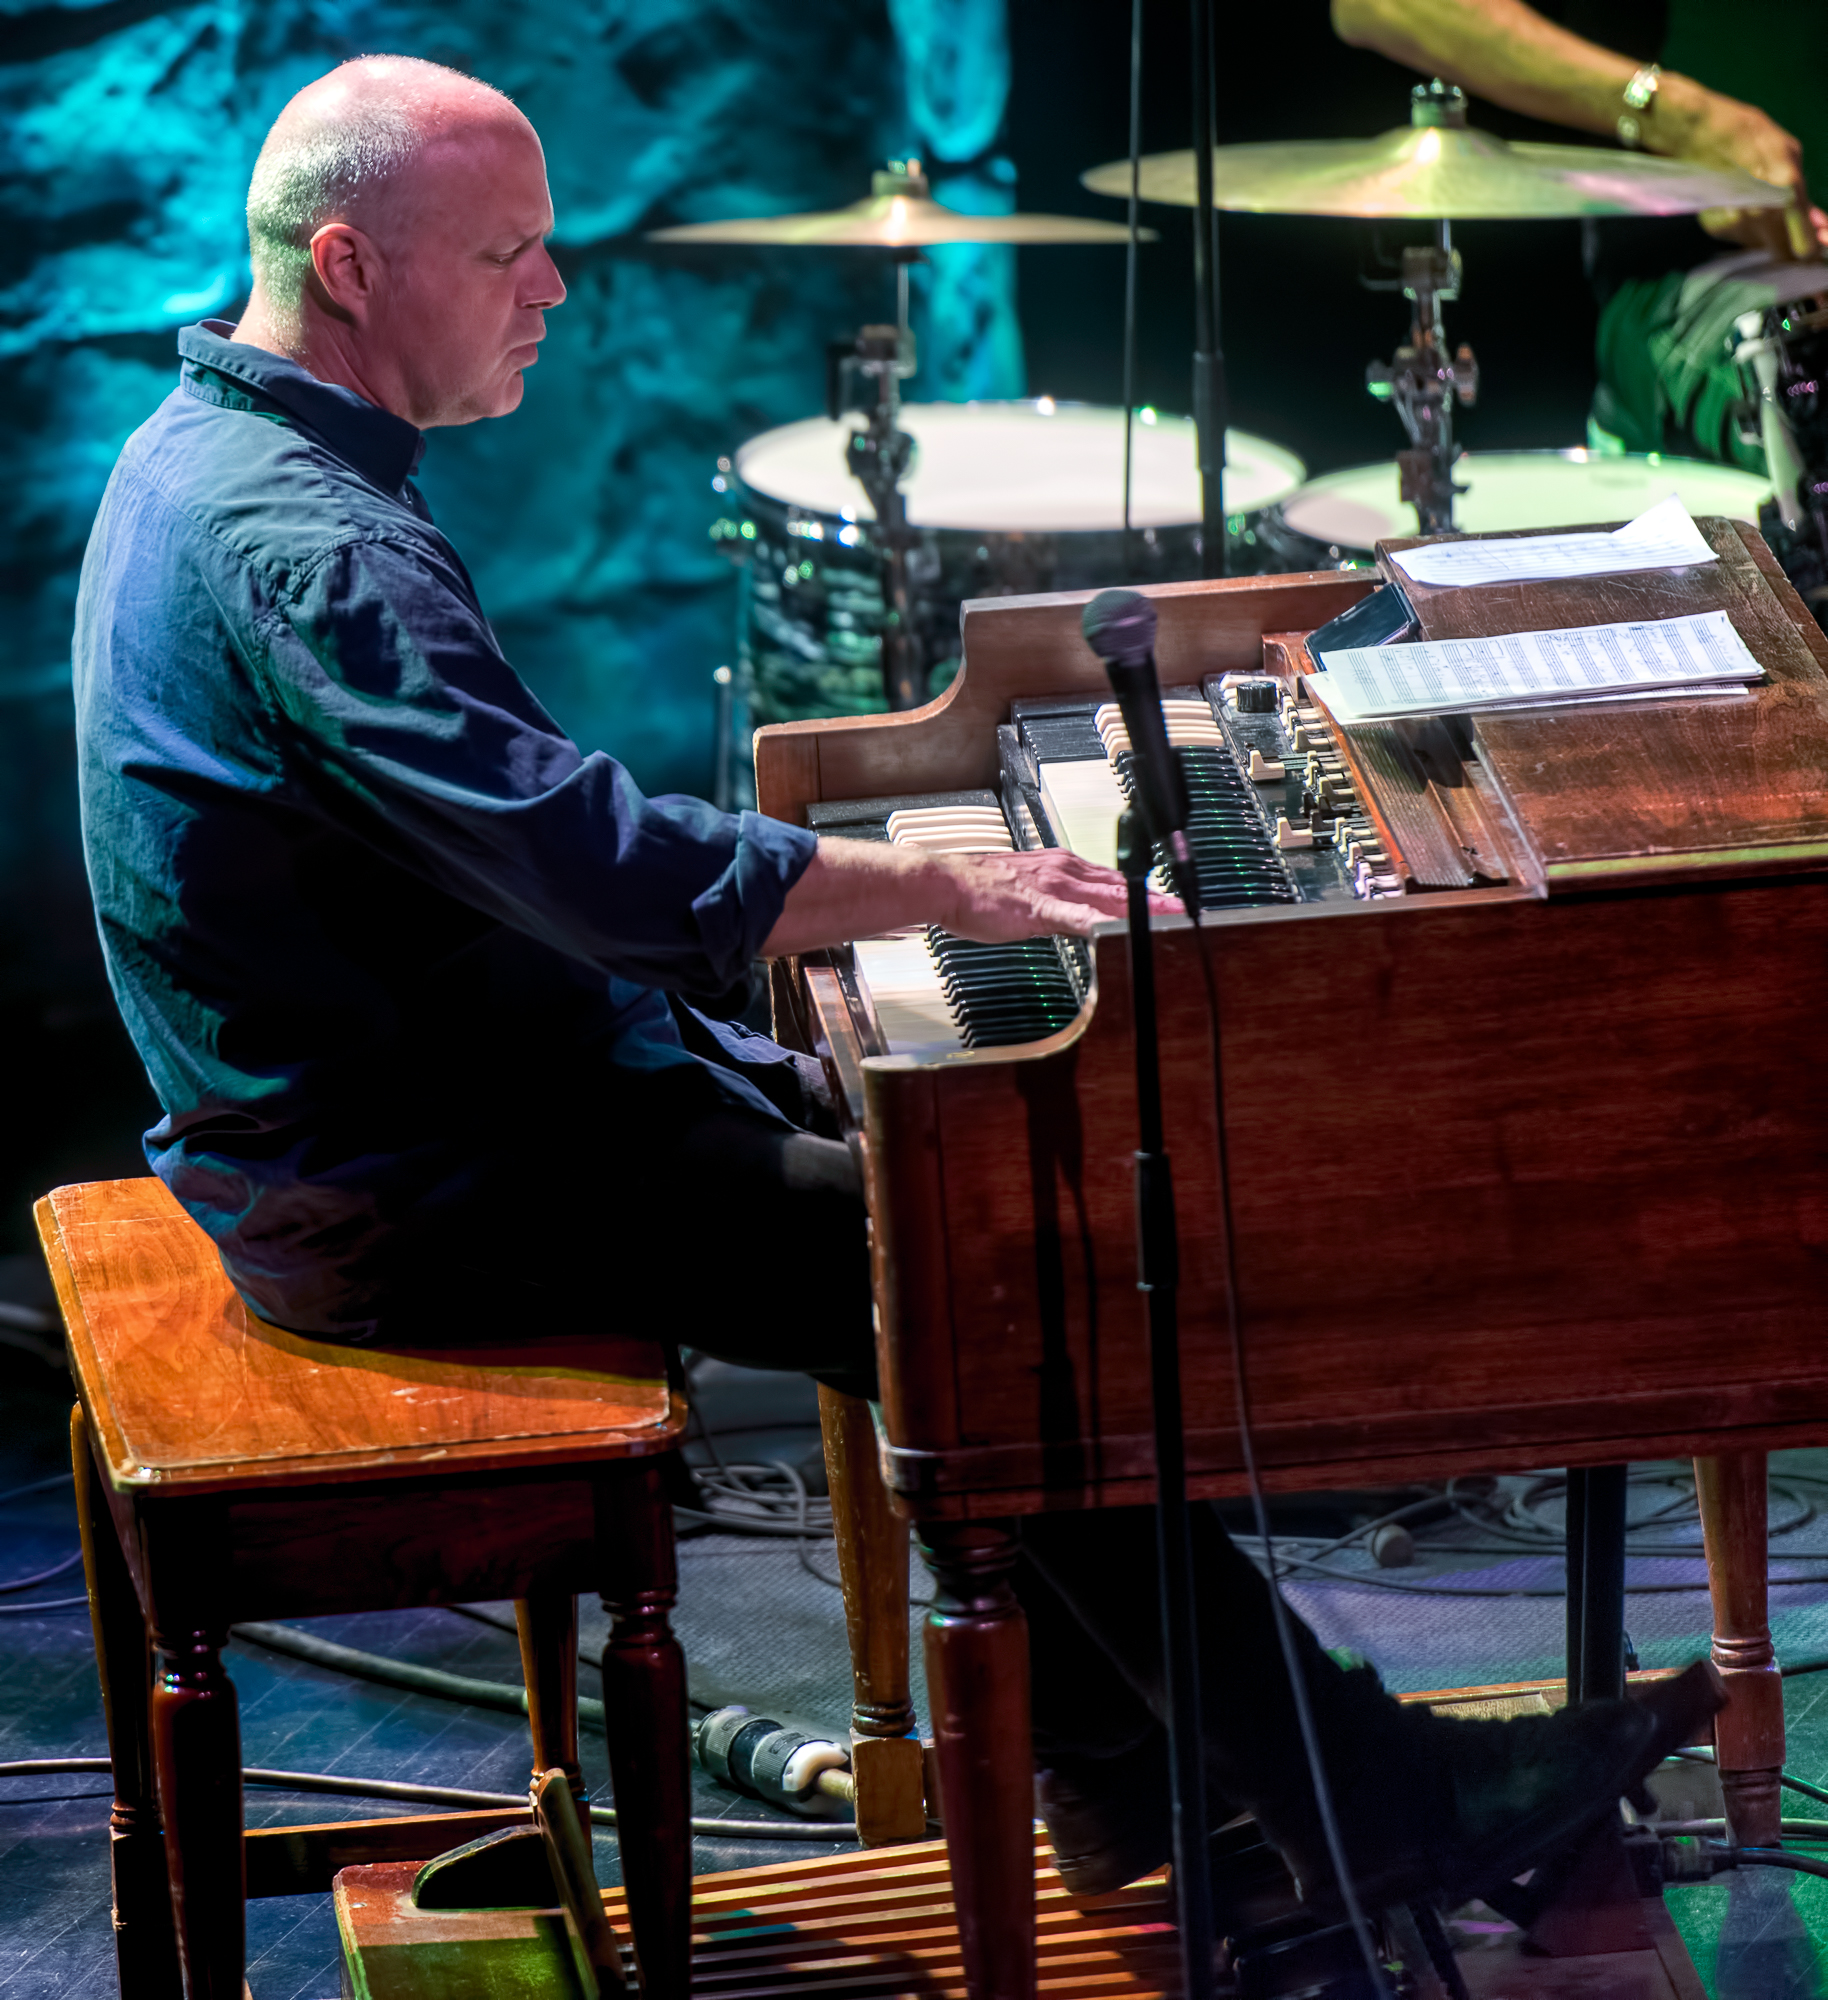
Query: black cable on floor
{"points": [[43, 1576], [1779, 1857], [447, 1795], [499, 1695]]}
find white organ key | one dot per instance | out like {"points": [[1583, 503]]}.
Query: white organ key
{"points": [[1084, 801], [1190, 726], [902, 984], [952, 829]]}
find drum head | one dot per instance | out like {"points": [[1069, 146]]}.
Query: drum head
{"points": [[1521, 489], [1021, 468]]}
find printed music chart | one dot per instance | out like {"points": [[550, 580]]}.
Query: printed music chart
{"points": [[1454, 676], [1662, 537]]}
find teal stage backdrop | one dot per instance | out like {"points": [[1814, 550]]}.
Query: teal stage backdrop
{"points": [[128, 129]]}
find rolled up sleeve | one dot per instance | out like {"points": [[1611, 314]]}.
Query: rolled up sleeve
{"points": [[419, 736]]}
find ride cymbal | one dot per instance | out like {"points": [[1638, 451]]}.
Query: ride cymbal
{"points": [[1439, 172]]}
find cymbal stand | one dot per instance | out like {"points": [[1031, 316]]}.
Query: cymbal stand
{"points": [[1211, 410], [1421, 381], [879, 457]]}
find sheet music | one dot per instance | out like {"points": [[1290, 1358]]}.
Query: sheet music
{"points": [[1662, 537], [1453, 676]]}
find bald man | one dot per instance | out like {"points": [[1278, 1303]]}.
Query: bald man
{"points": [[398, 957]]}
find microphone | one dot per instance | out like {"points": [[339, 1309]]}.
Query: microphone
{"points": [[1119, 626]]}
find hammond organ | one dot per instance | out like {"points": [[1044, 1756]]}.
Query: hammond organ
{"points": [[1518, 1048]]}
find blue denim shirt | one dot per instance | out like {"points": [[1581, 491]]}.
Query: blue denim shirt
{"points": [[366, 909]]}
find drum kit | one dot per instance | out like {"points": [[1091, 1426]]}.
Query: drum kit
{"points": [[861, 532]]}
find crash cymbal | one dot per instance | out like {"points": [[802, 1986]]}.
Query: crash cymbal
{"points": [[1440, 172], [896, 222], [899, 215]]}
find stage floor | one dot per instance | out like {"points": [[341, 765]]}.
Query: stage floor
{"points": [[756, 1626]]}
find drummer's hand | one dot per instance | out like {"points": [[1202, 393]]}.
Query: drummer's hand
{"points": [[1692, 122], [1003, 897]]}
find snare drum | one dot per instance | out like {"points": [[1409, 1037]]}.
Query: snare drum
{"points": [[1334, 520], [1008, 498]]}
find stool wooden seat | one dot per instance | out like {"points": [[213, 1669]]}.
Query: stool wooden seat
{"points": [[229, 1470]]}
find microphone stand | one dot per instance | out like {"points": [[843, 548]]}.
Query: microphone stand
{"points": [[1158, 1279]]}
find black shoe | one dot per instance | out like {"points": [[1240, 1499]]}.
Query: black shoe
{"points": [[1506, 1795], [1108, 1820]]}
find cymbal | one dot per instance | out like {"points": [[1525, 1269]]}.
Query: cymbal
{"points": [[897, 222], [1439, 172]]}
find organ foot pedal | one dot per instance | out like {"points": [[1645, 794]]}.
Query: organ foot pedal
{"points": [[873, 1921]]}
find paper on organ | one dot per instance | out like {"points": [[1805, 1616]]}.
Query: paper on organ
{"points": [[1662, 537], [1575, 663]]}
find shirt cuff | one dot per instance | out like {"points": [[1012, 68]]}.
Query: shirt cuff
{"points": [[743, 905]]}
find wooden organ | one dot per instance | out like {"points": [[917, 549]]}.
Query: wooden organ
{"points": [[1517, 1044]]}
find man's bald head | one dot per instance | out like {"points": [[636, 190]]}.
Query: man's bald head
{"points": [[398, 217], [349, 148]]}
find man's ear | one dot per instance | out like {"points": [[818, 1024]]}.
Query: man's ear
{"points": [[345, 272]]}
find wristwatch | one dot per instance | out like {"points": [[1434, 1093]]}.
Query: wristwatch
{"points": [[1640, 99]]}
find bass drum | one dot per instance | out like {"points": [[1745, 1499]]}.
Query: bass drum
{"points": [[1332, 522], [1008, 499]]}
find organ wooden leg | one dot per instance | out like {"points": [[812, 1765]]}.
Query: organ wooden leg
{"points": [[548, 1625], [873, 1565], [977, 1683], [145, 1941], [1749, 1731], [647, 1722]]}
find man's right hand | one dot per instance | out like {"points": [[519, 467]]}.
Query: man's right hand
{"points": [[862, 888]]}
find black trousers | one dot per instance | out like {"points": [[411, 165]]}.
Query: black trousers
{"points": [[720, 1229]]}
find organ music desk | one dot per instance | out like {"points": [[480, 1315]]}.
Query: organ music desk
{"points": [[1525, 1116]]}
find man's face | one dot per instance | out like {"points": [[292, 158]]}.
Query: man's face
{"points": [[466, 280]]}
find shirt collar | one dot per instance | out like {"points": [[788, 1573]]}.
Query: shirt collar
{"points": [[383, 448]]}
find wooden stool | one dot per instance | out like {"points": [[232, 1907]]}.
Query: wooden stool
{"points": [[228, 1470]]}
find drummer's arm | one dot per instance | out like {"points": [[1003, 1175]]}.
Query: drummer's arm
{"points": [[1510, 54]]}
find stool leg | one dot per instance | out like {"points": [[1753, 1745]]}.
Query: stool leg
{"points": [[977, 1683], [547, 1621], [145, 1941], [873, 1567], [196, 1739], [1749, 1731], [647, 1721]]}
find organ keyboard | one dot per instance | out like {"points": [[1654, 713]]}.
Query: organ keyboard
{"points": [[1516, 1045]]}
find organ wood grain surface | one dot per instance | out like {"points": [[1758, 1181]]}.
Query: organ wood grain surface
{"points": [[1615, 794]]}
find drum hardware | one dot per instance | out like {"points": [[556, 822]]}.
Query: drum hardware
{"points": [[901, 217], [1782, 353], [880, 457], [1421, 381]]}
